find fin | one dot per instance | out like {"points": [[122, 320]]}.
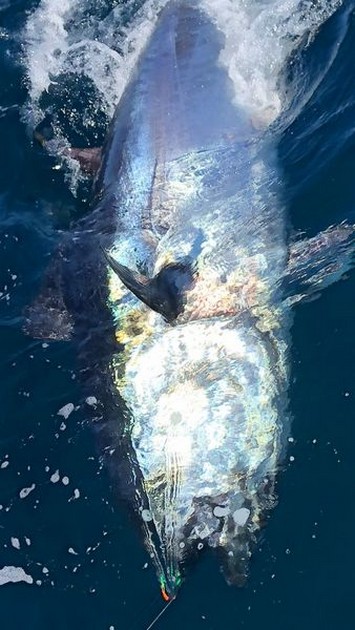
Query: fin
{"points": [[235, 556], [47, 316], [164, 293], [89, 159], [318, 262]]}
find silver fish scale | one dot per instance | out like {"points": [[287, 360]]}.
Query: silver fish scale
{"points": [[204, 414], [196, 187]]}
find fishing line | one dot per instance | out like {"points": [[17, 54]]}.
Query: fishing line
{"points": [[140, 617], [160, 614]]}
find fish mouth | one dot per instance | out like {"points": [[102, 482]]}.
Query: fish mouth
{"points": [[168, 571], [164, 553], [169, 586], [170, 578]]}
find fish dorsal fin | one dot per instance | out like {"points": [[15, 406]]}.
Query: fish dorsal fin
{"points": [[164, 293]]}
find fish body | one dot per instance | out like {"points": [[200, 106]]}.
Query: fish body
{"points": [[186, 253], [193, 183]]}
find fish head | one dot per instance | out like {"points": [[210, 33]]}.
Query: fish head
{"points": [[205, 438]]}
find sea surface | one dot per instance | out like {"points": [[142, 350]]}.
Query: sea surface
{"points": [[76, 555]]}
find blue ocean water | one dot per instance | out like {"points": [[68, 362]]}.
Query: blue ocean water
{"points": [[60, 519]]}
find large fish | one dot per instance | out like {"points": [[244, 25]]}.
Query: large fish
{"points": [[179, 286]]}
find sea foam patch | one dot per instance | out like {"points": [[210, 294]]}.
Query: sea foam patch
{"points": [[104, 42], [259, 38], [58, 39], [14, 574]]}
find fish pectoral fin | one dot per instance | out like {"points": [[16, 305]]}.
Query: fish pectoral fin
{"points": [[164, 293], [47, 317], [318, 262], [88, 158]]}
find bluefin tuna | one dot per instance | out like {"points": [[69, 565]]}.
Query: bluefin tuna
{"points": [[179, 286]]}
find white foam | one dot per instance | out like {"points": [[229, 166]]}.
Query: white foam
{"points": [[66, 410], [26, 491], [91, 401], [241, 516], [14, 574], [146, 516], [104, 50], [259, 37], [46, 43], [220, 511], [15, 542], [55, 477]]}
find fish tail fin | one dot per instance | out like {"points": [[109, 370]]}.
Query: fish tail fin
{"points": [[235, 556], [47, 317]]}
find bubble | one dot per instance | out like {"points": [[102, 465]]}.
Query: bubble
{"points": [[26, 491], [91, 401], [14, 574], [55, 477], [147, 516], [220, 511], [15, 543], [241, 516], [66, 410]]}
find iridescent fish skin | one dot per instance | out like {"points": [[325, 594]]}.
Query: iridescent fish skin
{"points": [[178, 288], [193, 181]]}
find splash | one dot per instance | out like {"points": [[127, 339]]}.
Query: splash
{"points": [[102, 40], [260, 36]]}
